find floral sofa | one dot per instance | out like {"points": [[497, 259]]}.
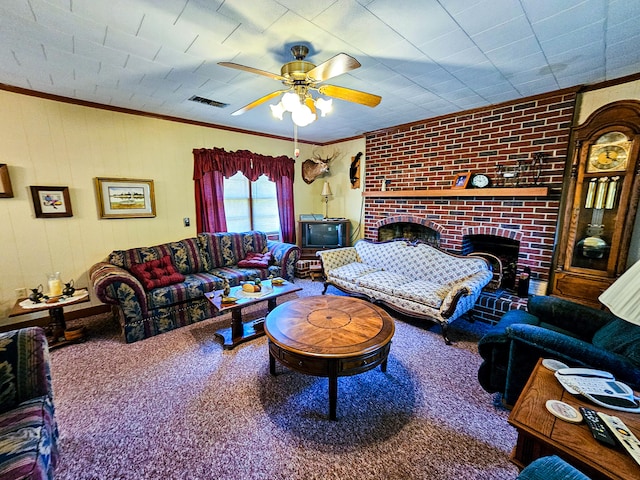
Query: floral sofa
{"points": [[28, 429], [160, 288], [415, 279]]}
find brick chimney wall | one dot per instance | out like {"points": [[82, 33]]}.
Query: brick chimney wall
{"points": [[427, 155]]}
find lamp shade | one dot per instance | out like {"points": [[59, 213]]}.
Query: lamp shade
{"points": [[623, 297], [326, 190], [290, 101]]}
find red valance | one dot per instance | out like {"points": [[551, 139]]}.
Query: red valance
{"points": [[252, 165]]}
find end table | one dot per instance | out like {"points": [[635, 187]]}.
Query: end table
{"points": [[56, 325]]}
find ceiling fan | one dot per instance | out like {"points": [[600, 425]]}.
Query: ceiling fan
{"points": [[301, 76]]}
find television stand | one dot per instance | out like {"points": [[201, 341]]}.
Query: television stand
{"points": [[310, 253]]}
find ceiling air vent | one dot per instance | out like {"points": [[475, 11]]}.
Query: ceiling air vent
{"points": [[207, 101]]}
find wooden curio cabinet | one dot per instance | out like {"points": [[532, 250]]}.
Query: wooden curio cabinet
{"points": [[599, 203]]}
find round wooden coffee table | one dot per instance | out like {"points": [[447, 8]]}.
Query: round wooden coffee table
{"points": [[329, 336]]}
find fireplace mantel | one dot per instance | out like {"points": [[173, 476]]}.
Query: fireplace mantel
{"points": [[472, 192]]}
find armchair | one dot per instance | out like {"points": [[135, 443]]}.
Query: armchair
{"points": [[551, 468], [28, 428], [575, 334]]}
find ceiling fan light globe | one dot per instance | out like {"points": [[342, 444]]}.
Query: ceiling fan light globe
{"points": [[290, 101], [302, 116], [277, 110], [325, 106]]}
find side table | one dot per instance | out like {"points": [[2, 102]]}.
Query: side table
{"points": [[56, 325], [541, 434]]}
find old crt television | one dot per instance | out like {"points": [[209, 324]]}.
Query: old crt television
{"points": [[327, 234]]}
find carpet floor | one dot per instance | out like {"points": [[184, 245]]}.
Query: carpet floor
{"points": [[178, 406]]}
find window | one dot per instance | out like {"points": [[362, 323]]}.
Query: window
{"points": [[251, 205]]}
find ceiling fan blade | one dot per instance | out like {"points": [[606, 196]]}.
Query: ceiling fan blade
{"points": [[310, 104], [342, 93], [244, 68], [259, 101], [337, 65]]}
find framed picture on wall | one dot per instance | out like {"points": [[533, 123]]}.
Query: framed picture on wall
{"points": [[5, 182], [125, 198], [51, 202], [461, 180]]}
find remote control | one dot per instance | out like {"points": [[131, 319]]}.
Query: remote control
{"points": [[597, 426], [626, 438]]}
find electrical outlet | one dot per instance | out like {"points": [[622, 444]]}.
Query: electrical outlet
{"points": [[21, 292], [187, 222]]}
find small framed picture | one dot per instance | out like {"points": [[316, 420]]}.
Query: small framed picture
{"points": [[461, 180], [5, 182], [51, 202], [125, 198]]}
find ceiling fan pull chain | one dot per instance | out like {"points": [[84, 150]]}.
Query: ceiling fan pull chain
{"points": [[296, 150]]}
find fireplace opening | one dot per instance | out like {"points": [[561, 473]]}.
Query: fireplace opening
{"points": [[409, 231], [502, 255]]}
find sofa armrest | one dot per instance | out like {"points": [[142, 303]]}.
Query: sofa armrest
{"points": [[570, 316], [574, 352], [551, 468], [24, 357], [116, 286], [470, 286], [285, 256], [337, 257]]}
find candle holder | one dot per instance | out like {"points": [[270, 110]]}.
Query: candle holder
{"points": [[55, 284]]}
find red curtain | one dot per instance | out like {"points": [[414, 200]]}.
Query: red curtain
{"points": [[212, 164]]}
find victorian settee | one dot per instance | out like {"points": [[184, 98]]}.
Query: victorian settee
{"points": [[28, 428], [415, 279], [551, 327], [160, 288]]}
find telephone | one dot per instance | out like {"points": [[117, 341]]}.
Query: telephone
{"points": [[599, 387]]}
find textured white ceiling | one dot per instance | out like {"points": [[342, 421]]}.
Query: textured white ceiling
{"points": [[423, 57]]}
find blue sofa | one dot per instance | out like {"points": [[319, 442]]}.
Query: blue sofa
{"points": [[28, 429], [552, 327], [200, 264]]}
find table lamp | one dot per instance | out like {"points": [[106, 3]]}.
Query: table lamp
{"points": [[326, 191], [623, 296]]}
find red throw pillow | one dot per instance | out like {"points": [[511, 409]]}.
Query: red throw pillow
{"points": [[157, 273], [255, 260]]}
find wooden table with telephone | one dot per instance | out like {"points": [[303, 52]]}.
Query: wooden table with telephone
{"points": [[542, 433]]}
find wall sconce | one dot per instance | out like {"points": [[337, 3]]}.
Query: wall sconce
{"points": [[326, 191]]}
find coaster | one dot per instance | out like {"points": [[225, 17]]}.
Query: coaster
{"points": [[564, 411], [552, 364]]}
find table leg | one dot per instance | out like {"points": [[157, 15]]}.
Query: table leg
{"points": [[271, 304], [333, 389], [57, 324], [240, 331], [237, 329], [272, 364], [383, 365], [333, 397]]}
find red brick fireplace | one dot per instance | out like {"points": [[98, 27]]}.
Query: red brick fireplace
{"points": [[419, 163]]}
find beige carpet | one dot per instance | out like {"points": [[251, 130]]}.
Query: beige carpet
{"points": [[178, 406]]}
